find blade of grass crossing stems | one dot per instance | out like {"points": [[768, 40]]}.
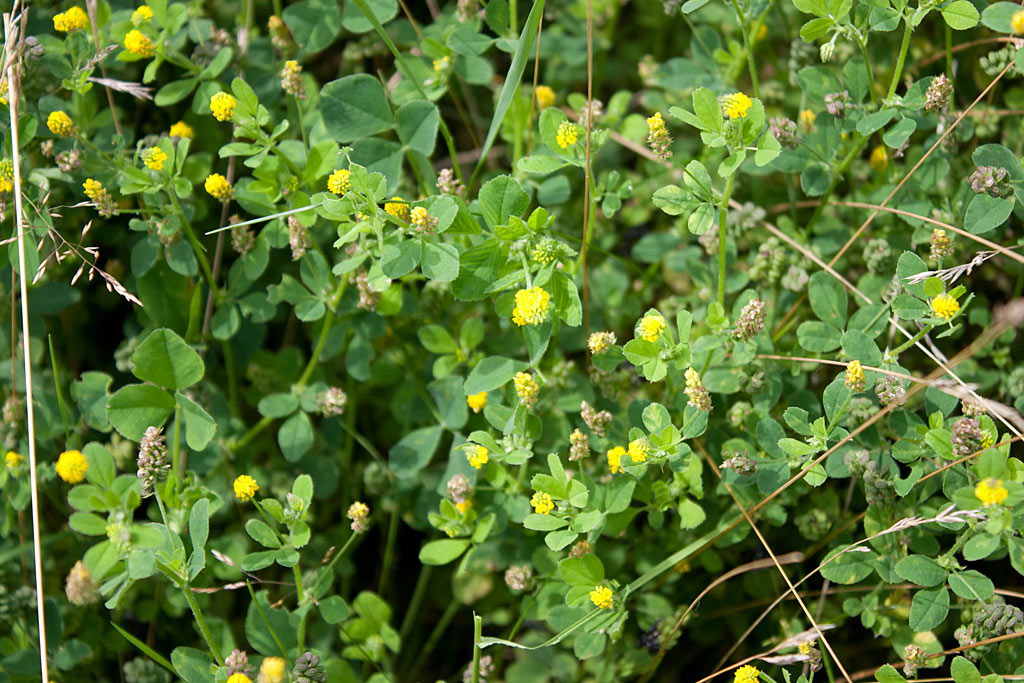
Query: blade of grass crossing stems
{"points": [[515, 74], [30, 412], [400, 62], [56, 385], [145, 649]]}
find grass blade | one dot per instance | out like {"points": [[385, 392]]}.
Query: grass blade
{"points": [[146, 649]]}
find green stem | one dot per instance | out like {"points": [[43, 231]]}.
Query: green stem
{"points": [[840, 170], [363, 441], [949, 51], [176, 463], [389, 552], [904, 46], [745, 32], [478, 627], [417, 601], [867, 67], [913, 340], [435, 635], [723, 214], [56, 386], [204, 263], [204, 628]]}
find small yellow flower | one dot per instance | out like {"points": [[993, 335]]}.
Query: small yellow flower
{"points": [[855, 376], [182, 130], [944, 306], [762, 32], [223, 106], [602, 596], [991, 492], [1017, 23], [600, 342], [272, 670], [567, 135], [545, 96], [420, 217], [807, 118], [464, 506], [138, 43], [638, 449], [736, 105], [338, 182], [988, 440], [477, 401], [805, 648], [3, 92], [13, 460], [747, 674], [245, 488], [218, 186], [477, 456], [441, 64], [531, 306], [154, 158], [71, 466], [358, 511], [70, 21], [526, 388], [615, 459], [60, 124], [656, 125], [93, 189], [142, 15], [6, 175], [650, 327], [397, 207], [239, 678], [879, 160], [542, 503]]}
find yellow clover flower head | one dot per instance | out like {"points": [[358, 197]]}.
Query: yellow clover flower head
{"points": [[182, 130], [747, 674], [338, 182], [615, 459], [476, 402], [944, 306], [397, 207], [600, 342], [6, 175], [272, 670], [142, 15], [71, 466], [542, 503], [567, 135], [855, 376], [13, 460], [807, 118], [218, 186], [991, 492], [1017, 23], [3, 92], [602, 596], [154, 158], [638, 450], [223, 106], [93, 189], [879, 158], [531, 306], [60, 124], [245, 488], [476, 455], [545, 96], [138, 43], [650, 327], [736, 105], [526, 389], [239, 678], [71, 21]]}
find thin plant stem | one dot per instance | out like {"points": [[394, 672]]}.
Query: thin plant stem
{"points": [[389, 552], [723, 214], [435, 635], [747, 47], [904, 46], [478, 625], [422, 581], [867, 67], [913, 340], [57, 388], [177, 457]]}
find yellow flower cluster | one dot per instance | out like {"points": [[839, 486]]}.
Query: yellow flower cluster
{"points": [[3, 92], [397, 207], [545, 96], [421, 218], [93, 189], [526, 388], [879, 158], [60, 124], [542, 503], [239, 678], [182, 130], [747, 674], [338, 182], [71, 466], [638, 450], [805, 648], [223, 106], [6, 175], [944, 306], [602, 596], [464, 506], [807, 118], [272, 670], [476, 402], [142, 15], [70, 21], [154, 158], [615, 459], [736, 105], [441, 64], [855, 376], [1017, 23], [13, 460], [476, 456], [218, 186], [650, 327], [991, 492], [658, 137], [600, 342], [358, 510], [567, 135], [656, 125], [531, 306], [138, 43], [245, 488]]}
